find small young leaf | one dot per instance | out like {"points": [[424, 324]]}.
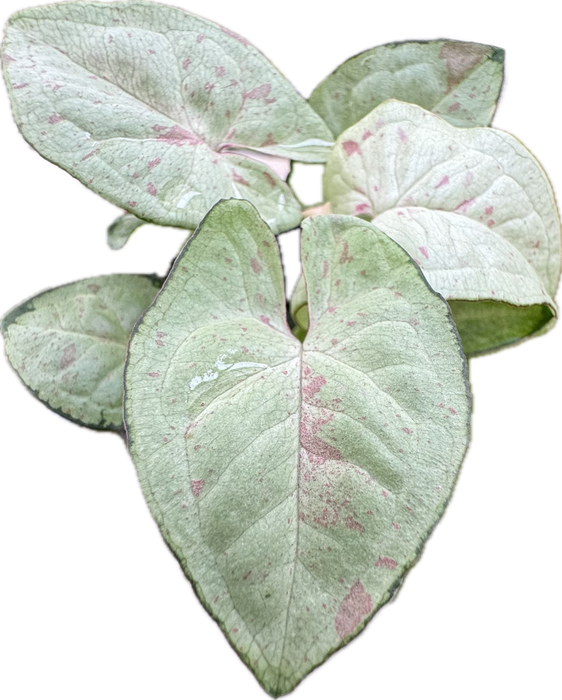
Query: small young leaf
{"points": [[296, 484], [122, 229], [299, 304], [471, 200], [154, 108], [458, 80], [69, 344]]}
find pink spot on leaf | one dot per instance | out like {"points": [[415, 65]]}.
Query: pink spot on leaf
{"points": [[352, 524], [361, 208], [151, 189], [423, 251], [313, 387], [239, 179], [345, 257], [385, 563], [197, 486], [258, 93], [318, 450], [256, 267], [354, 607], [68, 356], [443, 181], [351, 147], [463, 206], [454, 107], [55, 119], [269, 141], [175, 135]]}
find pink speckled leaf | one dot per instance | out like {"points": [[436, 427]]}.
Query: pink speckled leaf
{"points": [[69, 344], [157, 110], [473, 202], [459, 80], [295, 483]]}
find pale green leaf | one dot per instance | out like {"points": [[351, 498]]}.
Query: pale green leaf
{"points": [[122, 229], [460, 81], [460, 256], [69, 344], [497, 197], [155, 109], [296, 484]]}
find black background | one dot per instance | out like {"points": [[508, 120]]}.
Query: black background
{"points": [[88, 581]]}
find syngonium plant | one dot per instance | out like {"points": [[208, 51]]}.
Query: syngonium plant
{"points": [[295, 463]]}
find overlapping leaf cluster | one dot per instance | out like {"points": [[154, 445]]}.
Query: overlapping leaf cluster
{"points": [[295, 465]]}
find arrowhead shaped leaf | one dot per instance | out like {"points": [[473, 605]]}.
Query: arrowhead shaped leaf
{"points": [[502, 229], [458, 80], [69, 344], [296, 484], [153, 108]]}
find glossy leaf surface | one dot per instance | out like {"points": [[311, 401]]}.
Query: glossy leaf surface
{"points": [[296, 484]]}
